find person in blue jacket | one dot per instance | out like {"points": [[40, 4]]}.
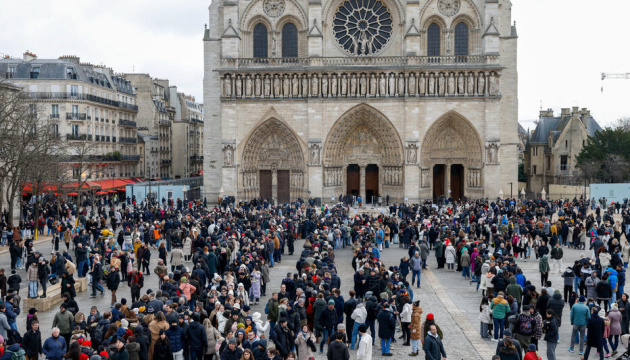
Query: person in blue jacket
{"points": [[55, 346]]}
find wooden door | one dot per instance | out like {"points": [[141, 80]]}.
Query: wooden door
{"points": [[371, 183], [284, 186], [438, 181], [457, 181], [266, 191], [353, 179]]}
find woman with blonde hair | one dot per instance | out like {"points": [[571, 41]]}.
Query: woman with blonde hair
{"points": [[213, 337]]}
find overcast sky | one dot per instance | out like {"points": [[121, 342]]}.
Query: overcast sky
{"points": [[564, 45]]}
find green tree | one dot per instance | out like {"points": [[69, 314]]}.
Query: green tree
{"points": [[606, 156]]}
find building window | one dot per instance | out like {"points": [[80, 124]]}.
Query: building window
{"points": [[70, 73], [75, 110], [75, 130], [54, 112], [534, 169], [289, 41], [76, 173], [461, 41], [74, 90], [260, 41], [534, 151], [566, 144], [433, 40], [35, 72], [548, 162], [564, 162], [11, 72]]}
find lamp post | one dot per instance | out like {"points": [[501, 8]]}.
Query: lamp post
{"points": [[111, 171], [510, 189]]}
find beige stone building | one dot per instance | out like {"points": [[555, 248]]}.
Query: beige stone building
{"points": [[317, 98], [95, 109], [187, 135], [552, 147], [155, 117], [148, 149]]}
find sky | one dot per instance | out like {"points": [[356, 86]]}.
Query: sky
{"points": [[563, 45]]}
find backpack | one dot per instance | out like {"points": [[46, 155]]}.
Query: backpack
{"points": [[99, 332], [525, 327], [18, 355]]}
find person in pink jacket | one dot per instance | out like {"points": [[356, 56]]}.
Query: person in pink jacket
{"points": [[187, 290]]}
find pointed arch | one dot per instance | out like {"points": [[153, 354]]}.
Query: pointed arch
{"points": [[272, 144], [363, 131], [452, 139]]}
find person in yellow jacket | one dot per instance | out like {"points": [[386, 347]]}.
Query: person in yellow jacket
{"points": [[106, 232]]}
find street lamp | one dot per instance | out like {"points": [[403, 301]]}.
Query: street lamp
{"points": [[510, 189], [111, 170]]}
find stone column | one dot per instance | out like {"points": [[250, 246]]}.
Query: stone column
{"points": [[447, 180], [274, 185], [362, 187]]}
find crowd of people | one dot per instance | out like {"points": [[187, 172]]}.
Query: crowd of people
{"points": [[214, 264]]}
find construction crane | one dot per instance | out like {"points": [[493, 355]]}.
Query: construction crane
{"points": [[615, 76], [605, 76]]}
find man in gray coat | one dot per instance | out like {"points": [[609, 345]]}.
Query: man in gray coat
{"points": [[416, 266], [433, 346]]}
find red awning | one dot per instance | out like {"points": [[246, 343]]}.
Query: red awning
{"points": [[73, 194], [101, 193], [111, 184]]}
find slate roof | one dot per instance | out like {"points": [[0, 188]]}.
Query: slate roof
{"points": [[555, 126]]}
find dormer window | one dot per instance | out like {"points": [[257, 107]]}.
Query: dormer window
{"points": [[35, 72], [11, 72], [70, 73]]}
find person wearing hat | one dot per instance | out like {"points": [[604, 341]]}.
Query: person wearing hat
{"points": [[161, 348], [328, 322], [232, 352], [63, 321], [580, 315], [532, 354]]}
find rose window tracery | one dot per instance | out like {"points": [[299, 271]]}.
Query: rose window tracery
{"points": [[362, 27]]}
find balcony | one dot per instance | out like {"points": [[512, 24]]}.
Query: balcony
{"points": [[358, 61], [196, 157], [97, 138], [166, 162], [130, 157], [165, 123], [154, 150], [54, 116], [128, 106], [126, 140], [76, 116], [128, 123], [76, 137]]}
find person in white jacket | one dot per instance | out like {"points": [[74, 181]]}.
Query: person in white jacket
{"points": [[261, 327], [405, 319], [365, 345], [359, 315]]}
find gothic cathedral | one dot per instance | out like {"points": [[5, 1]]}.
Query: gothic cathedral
{"points": [[411, 99]]}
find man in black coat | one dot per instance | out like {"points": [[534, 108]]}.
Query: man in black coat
{"points": [[433, 346], [348, 308], [386, 329], [32, 342], [232, 352], [282, 337], [328, 322], [197, 338], [507, 334]]}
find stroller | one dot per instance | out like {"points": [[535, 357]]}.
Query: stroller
{"points": [[624, 341]]}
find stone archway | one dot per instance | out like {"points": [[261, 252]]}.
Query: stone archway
{"points": [[363, 137], [451, 158], [272, 163]]}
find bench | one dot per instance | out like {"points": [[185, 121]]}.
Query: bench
{"points": [[53, 296]]}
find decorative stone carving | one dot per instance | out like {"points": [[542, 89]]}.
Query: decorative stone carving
{"points": [[422, 85], [411, 84], [392, 85], [344, 85], [382, 86], [461, 90], [401, 85], [373, 85], [227, 86], [412, 153], [315, 158], [333, 85], [451, 84], [314, 85], [441, 85], [239, 86], [295, 86], [277, 86], [353, 85], [425, 176], [228, 155], [363, 85], [267, 86], [272, 145], [481, 83], [248, 86], [473, 177], [286, 86], [257, 86], [304, 92], [431, 85], [493, 86], [471, 84], [492, 153], [452, 138], [325, 86]]}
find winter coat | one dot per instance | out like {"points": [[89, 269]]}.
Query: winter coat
{"points": [[31, 273], [196, 335], [595, 331], [63, 320], [615, 322], [450, 254], [328, 319], [416, 323], [301, 342], [212, 336], [32, 343], [405, 315], [465, 259], [433, 348], [499, 307], [591, 283], [176, 336], [603, 290], [386, 324], [484, 314], [318, 307], [113, 280], [506, 353], [337, 350], [365, 348], [580, 314], [543, 264], [552, 330], [556, 304], [359, 315], [515, 290], [416, 263], [54, 348], [133, 349], [568, 277], [282, 339]]}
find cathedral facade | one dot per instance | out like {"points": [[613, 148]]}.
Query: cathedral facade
{"points": [[411, 99]]}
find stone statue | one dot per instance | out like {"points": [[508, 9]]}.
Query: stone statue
{"points": [[441, 83], [363, 85], [239, 87], [227, 82], [401, 85], [267, 87], [373, 85], [353, 85], [451, 84], [228, 156], [314, 86], [471, 84], [286, 85], [412, 155], [382, 86], [460, 84], [344, 85], [492, 156], [277, 88], [493, 86], [325, 85], [431, 84], [304, 86], [315, 154], [333, 85], [481, 83], [448, 42], [425, 178], [392, 85], [273, 45], [412, 85], [248, 86], [295, 86]]}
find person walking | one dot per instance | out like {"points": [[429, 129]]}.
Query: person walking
{"points": [[32, 342], [113, 281], [595, 335], [580, 314], [337, 350], [365, 345], [551, 333], [433, 347], [97, 276], [556, 258]]}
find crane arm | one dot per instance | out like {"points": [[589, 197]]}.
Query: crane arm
{"points": [[615, 76]]}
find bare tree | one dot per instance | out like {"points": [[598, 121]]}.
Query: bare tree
{"points": [[623, 123]]}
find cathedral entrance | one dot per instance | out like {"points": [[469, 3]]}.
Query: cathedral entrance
{"points": [[284, 186], [365, 145], [371, 183], [457, 181], [438, 181], [353, 180]]}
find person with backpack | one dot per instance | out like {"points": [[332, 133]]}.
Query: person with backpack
{"points": [[55, 346], [100, 329], [14, 352], [525, 327]]}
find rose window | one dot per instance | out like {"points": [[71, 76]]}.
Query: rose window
{"points": [[362, 27]]}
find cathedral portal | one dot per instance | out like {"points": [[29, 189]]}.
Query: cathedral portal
{"points": [[363, 155]]}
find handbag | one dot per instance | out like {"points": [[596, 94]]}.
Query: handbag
{"points": [[53, 281]]}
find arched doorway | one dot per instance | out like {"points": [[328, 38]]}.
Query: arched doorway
{"points": [[363, 143], [451, 156], [272, 163]]}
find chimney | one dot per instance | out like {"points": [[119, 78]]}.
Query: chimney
{"points": [[576, 110], [546, 113], [28, 56], [565, 111], [71, 58]]}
